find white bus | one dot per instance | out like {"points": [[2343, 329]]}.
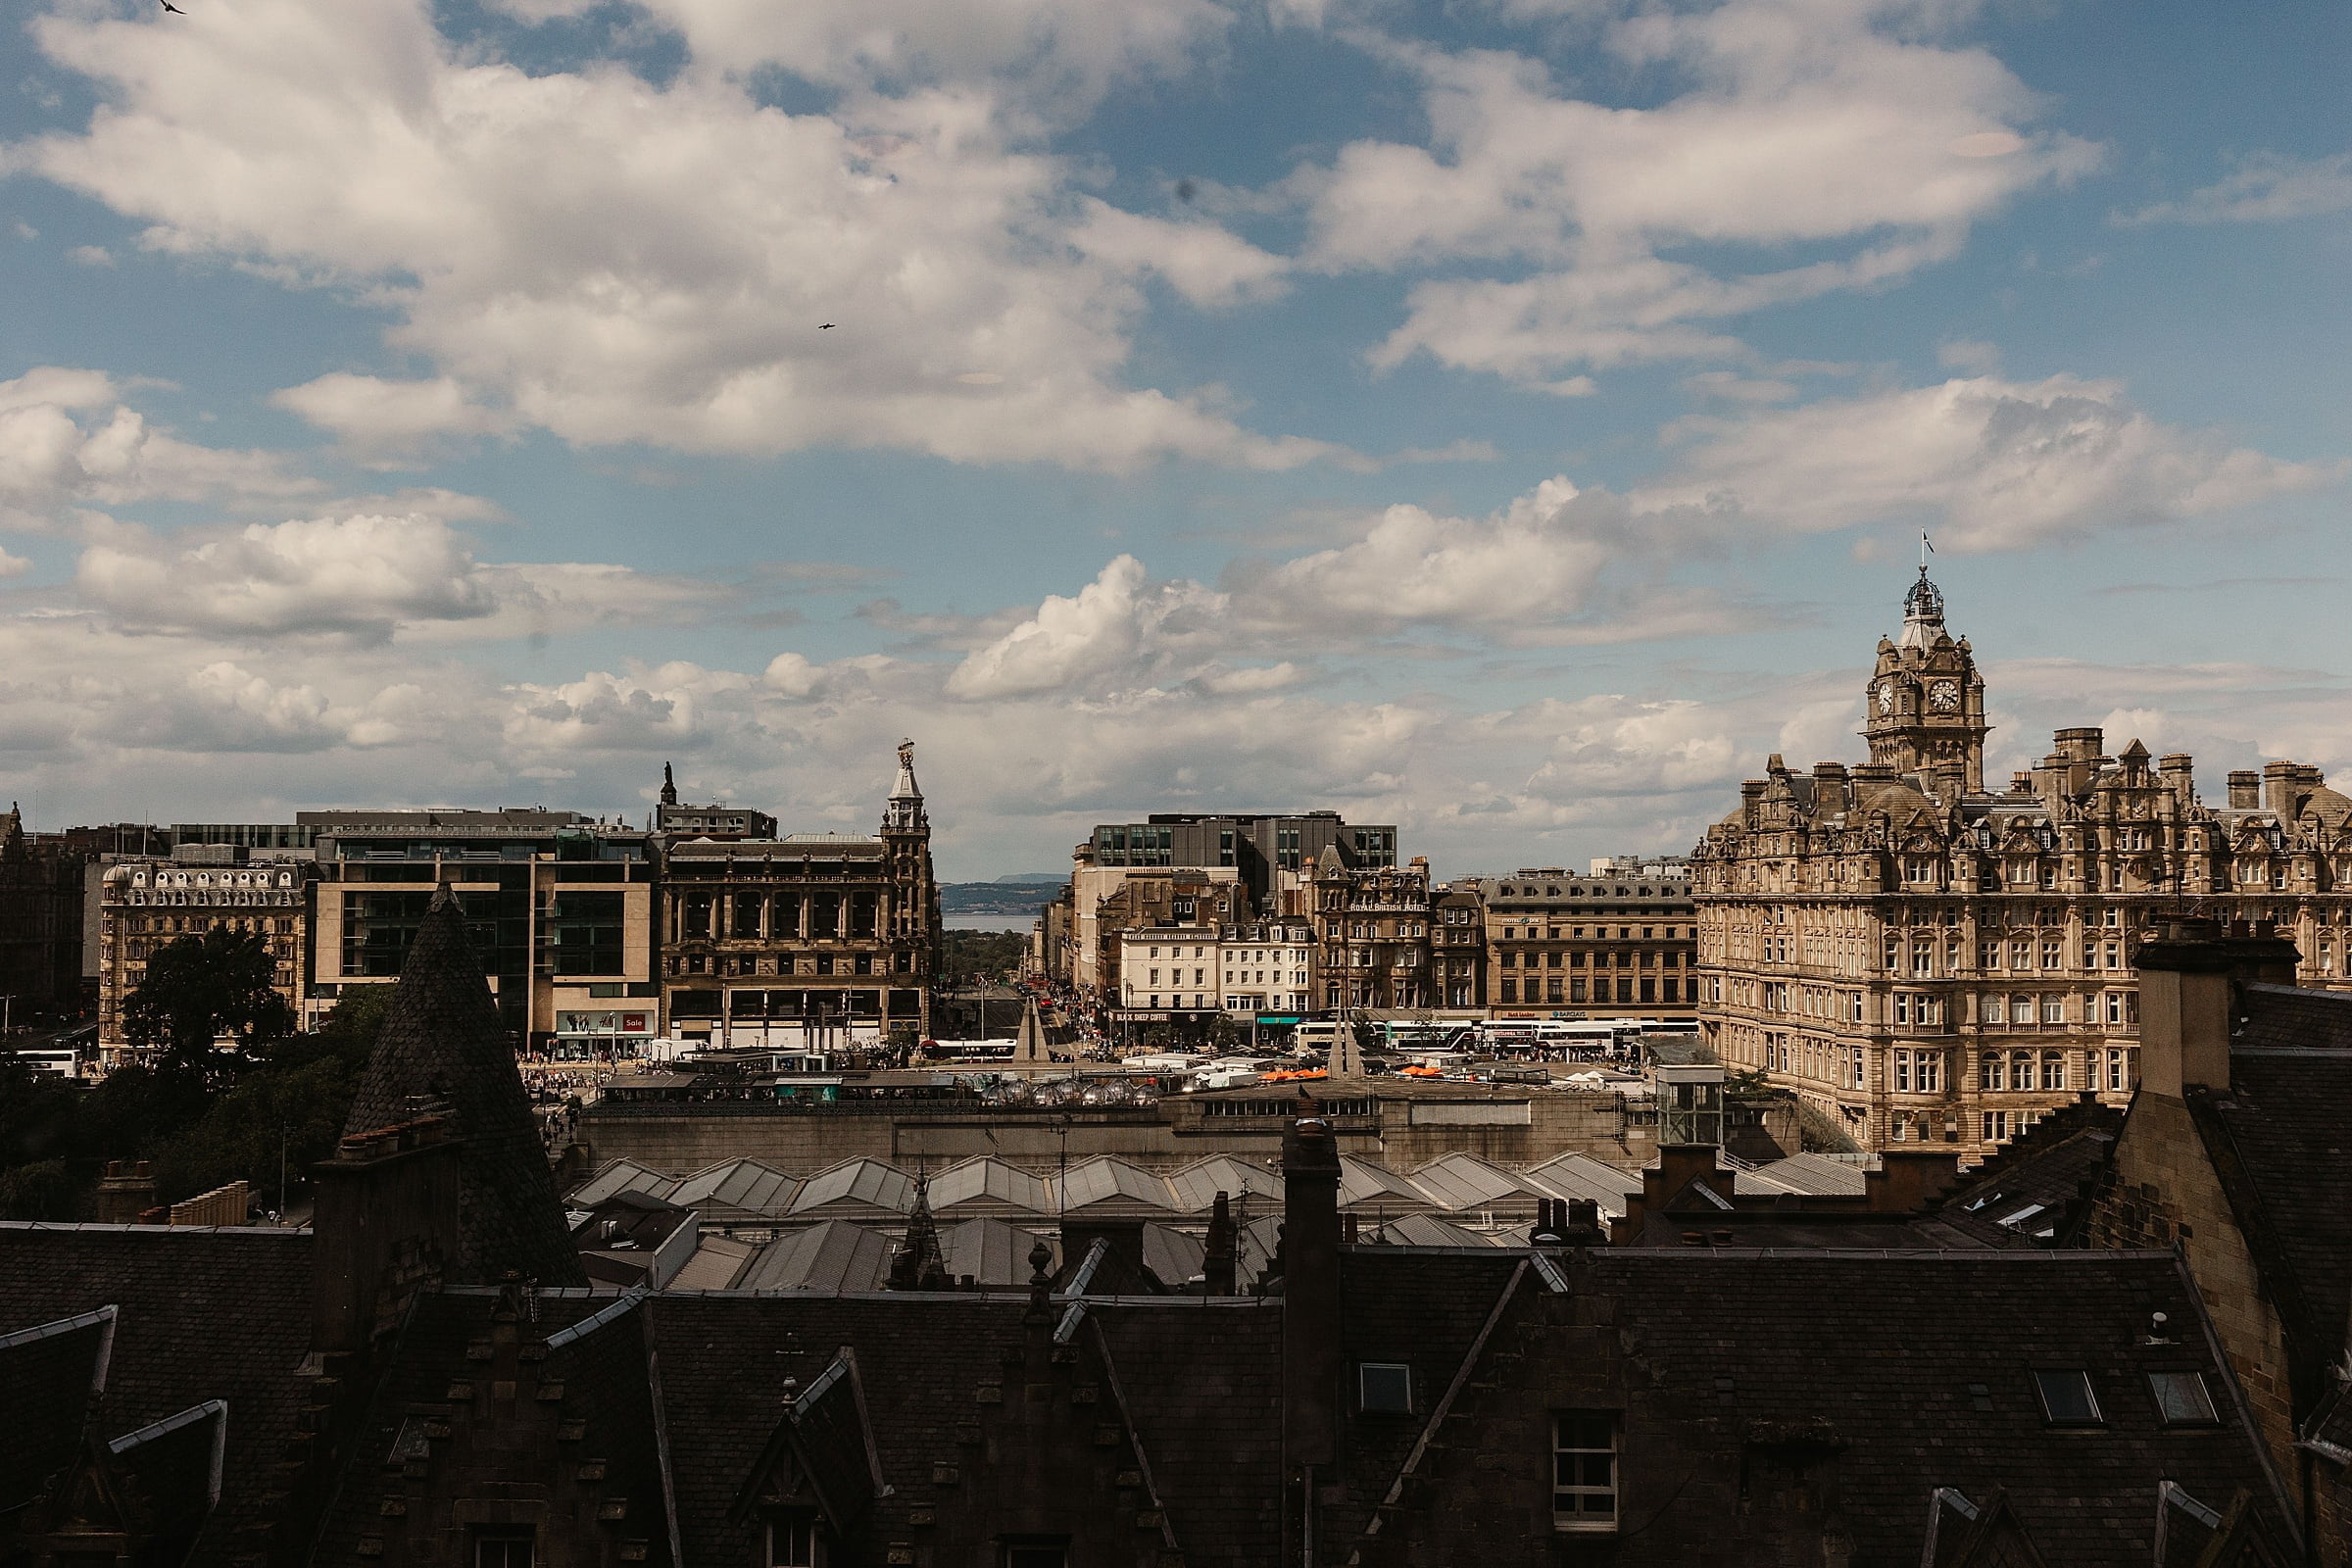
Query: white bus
{"points": [[1420, 1038]]}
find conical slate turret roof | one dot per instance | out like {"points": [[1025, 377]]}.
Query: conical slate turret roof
{"points": [[443, 1049]]}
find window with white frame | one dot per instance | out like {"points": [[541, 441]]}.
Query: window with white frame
{"points": [[2053, 1008], [503, 1547], [1996, 1126], [793, 1542], [1996, 1009], [1584, 1470], [2053, 1069]]}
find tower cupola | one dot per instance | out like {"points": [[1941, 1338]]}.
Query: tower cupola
{"points": [[1925, 702]]}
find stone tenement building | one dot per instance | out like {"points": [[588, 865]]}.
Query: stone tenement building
{"points": [[1922, 959], [143, 904], [813, 937], [1617, 944], [1372, 930]]}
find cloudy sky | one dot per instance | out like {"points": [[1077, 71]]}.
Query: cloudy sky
{"points": [[1511, 418]]}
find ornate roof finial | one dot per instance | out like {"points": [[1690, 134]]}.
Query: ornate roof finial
{"points": [[1922, 606]]}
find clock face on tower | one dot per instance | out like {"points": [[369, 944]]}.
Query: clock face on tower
{"points": [[1945, 697], [1887, 696]]}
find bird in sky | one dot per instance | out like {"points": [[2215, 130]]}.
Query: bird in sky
{"points": [[174, 10], [824, 327]]}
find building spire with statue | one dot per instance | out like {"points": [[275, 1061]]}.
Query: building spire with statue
{"points": [[904, 812], [669, 786]]}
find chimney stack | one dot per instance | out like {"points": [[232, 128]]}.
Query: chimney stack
{"points": [[126, 1192], [2177, 770], [384, 1225], [1310, 1293], [2282, 788], [2188, 978], [1220, 1259], [2245, 789]]}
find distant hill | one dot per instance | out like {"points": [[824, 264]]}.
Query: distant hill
{"points": [[995, 898]]}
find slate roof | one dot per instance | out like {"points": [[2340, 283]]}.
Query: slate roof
{"points": [[431, 1353], [202, 1314], [1202, 1384], [442, 1044], [51, 1373], [2039, 1182], [724, 1359], [2279, 1138], [1424, 1309], [1931, 1358]]}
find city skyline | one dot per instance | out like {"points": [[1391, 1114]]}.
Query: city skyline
{"points": [[1510, 434]]}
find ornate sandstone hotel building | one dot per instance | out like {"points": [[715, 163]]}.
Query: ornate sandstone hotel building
{"points": [[1923, 959]]}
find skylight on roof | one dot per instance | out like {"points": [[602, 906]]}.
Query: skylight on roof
{"points": [[2066, 1399], [2182, 1398]]}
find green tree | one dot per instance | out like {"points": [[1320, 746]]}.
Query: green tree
{"points": [[201, 988], [287, 1112], [978, 955]]}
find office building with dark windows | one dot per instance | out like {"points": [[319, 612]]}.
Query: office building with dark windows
{"points": [[559, 908], [1258, 848]]}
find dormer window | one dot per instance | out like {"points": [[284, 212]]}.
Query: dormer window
{"points": [[793, 1542], [1035, 1554], [503, 1547], [1584, 1471]]}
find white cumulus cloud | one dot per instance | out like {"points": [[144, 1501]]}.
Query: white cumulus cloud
{"points": [[1838, 124], [617, 261], [362, 576], [2264, 189], [68, 440], [1995, 464]]}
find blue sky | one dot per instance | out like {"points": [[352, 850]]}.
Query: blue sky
{"points": [[1512, 419]]}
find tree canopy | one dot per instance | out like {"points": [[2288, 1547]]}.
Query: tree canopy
{"points": [[202, 988]]}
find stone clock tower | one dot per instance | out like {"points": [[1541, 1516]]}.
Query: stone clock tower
{"points": [[1927, 701]]}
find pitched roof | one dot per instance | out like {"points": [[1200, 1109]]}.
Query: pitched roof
{"points": [[1934, 1355], [442, 1044], [202, 1314], [54, 1373], [2038, 1183]]}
